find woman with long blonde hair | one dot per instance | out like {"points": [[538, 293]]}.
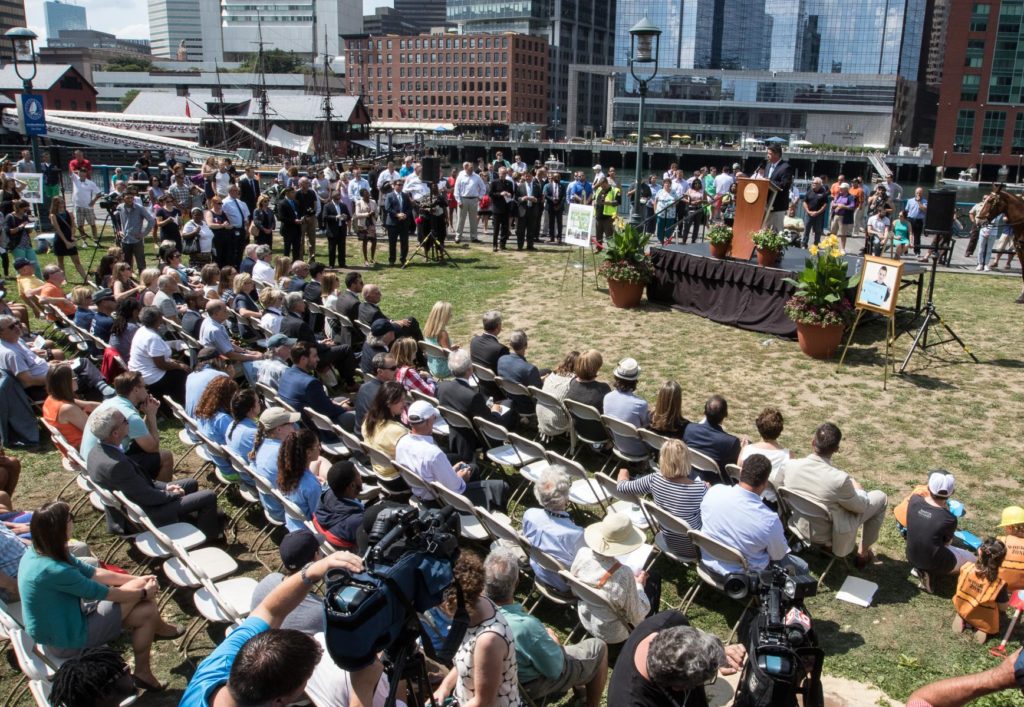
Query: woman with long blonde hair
{"points": [[435, 332]]}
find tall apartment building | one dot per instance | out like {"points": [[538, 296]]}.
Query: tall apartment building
{"points": [[424, 15], [62, 16], [175, 29], [12, 14], [479, 82], [981, 101]]}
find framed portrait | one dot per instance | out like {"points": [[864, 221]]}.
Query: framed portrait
{"points": [[879, 285]]}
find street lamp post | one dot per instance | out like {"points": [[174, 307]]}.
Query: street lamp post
{"points": [[23, 46], [644, 42]]}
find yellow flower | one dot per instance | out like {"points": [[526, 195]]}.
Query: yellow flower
{"points": [[835, 252], [813, 249]]}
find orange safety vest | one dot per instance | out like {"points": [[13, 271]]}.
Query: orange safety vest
{"points": [[1012, 570], [900, 511], [975, 600]]}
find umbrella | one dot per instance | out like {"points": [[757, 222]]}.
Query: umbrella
{"points": [[775, 139], [687, 137], [656, 136], [440, 129], [801, 143], [633, 135], [752, 139], [679, 137]]}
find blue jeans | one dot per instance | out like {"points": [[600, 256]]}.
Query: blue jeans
{"points": [[986, 240], [664, 229]]}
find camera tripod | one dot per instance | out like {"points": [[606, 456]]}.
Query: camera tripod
{"points": [[942, 247], [408, 664], [107, 217]]}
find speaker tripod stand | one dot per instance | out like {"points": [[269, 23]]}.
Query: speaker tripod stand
{"points": [[931, 314], [431, 244]]}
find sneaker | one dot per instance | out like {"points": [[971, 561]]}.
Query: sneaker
{"points": [[980, 267], [458, 239], [988, 268]]}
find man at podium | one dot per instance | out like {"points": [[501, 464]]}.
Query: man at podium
{"points": [[779, 172]]}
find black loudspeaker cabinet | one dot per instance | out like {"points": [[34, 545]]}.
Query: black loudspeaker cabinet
{"points": [[941, 210], [431, 172]]}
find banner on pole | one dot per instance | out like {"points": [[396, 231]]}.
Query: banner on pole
{"points": [[31, 114], [579, 226]]}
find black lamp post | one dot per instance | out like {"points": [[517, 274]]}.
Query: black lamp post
{"points": [[644, 42], [23, 42]]}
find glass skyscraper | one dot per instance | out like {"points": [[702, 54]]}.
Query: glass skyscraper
{"points": [[62, 15]]}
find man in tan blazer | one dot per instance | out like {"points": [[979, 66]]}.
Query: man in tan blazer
{"points": [[848, 503]]}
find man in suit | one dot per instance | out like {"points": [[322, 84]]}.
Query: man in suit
{"points": [[780, 174], [249, 187], [382, 335], [460, 396], [529, 196], [849, 504], [399, 220], [554, 204], [348, 304], [383, 368], [291, 224], [502, 192], [709, 438], [295, 326], [369, 312], [485, 350], [514, 367], [110, 468], [300, 389]]}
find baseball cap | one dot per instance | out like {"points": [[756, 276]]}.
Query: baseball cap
{"points": [[100, 295], [280, 340], [844, 185], [597, 167], [381, 327], [21, 262], [298, 548], [275, 417], [421, 411], [207, 353], [941, 484]]}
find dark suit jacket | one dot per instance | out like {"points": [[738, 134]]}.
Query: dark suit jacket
{"points": [[369, 313], [288, 216], [498, 203], [394, 204], [348, 304], [714, 442], [485, 350], [367, 392], [249, 190], [459, 396], [533, 189], [111, 469], [301, 390], [368, 352], [782, 177], [554, 197], [297, 328]]}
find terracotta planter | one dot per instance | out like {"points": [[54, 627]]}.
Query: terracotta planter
{"points": [[768, 258], [819, 341], [625, 294], [719, 250]]}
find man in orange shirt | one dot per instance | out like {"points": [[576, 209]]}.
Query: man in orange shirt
{"points": [[51, 291], [857, 192], [835, 185]]}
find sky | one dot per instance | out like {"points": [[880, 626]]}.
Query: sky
{"points": [[127, 19]]}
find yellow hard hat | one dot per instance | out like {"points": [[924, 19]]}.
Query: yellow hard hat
{"points": [[1012, 515]]}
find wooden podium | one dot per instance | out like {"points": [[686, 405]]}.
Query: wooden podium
{"points": [[753, 199]]}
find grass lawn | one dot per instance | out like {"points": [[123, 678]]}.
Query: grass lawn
{"points": [[948, 412]]}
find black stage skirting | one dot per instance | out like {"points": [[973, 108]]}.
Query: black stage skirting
{"points": [[734, 292]]}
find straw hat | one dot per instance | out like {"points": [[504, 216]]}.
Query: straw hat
{"points": [[613, 536]]}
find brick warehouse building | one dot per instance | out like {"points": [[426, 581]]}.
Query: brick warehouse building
{"points": [[981, 102], [481, 82], [61, 86]]}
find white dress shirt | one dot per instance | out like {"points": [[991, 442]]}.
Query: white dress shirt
{"points": [[470, 185], [263, 271], [421, 455]]}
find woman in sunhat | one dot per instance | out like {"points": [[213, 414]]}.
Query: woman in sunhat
{"points": [[596, 566]]}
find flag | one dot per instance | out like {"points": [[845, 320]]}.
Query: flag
{"points": [[188, 112]]}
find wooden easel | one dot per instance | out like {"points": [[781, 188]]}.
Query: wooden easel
{"points": [[890, 337]]}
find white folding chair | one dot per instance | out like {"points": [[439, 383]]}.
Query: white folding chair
{"points": [[588, 594], [501, 453], [708, 467], [583, 491], [554, 406], [325, 424], [471, 528], [809, 519], [724, 553], [581, 412], [616, 501], [661, 522], [733, 472]]}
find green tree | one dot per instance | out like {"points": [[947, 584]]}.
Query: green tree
{"points": [[127, 98], [129, 64], [275, 61]]}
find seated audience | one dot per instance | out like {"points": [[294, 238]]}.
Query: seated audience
{"points": [[382, 428], [165, 503], [213, 415], [382, 370], [624, 404], [339, 514], [586, 389], [550, 528], [708, 437], [102, 320], [299, 473], [551, 423], [668, 663], [981, 595], [62, 409], [849, 504], [125, 326], [209, 365], [150, 356], [485, 350], [379, 340], [930, 529], [97, 678], [263, 269], [192, 317], [1012, 570], [274, 425], [82, 297], [213, 333], [369, 312], [418, 452], [272, 300], [294, 326], [674, 489], [514, 367], [299, 388], [595, 565], [404, 352], [667, 417], [69, 606], [52, 293], [769, 426], [241, 433], [543, 666], [279, 352], [142, 441], [736, 516], [435, 332], [244, 303], [460, 396], [165, 298]]}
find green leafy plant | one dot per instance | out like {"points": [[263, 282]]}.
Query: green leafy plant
{"points": [[719, 235], [625, 255], [820, 296], [768, 240]]}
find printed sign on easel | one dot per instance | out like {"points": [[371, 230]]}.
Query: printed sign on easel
{"points": [[579, 225]]}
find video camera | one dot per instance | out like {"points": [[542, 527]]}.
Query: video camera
{"points": [[783, 658], [409, 566]]}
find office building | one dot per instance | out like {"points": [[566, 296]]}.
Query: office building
{"points": [[88, 50], [62, 16], [306, 27], [576, 32], [12, 14], [424, 15], [478, 82], [937, 44], [981, 102], [175, 29], [387, 20], [94, 39]]}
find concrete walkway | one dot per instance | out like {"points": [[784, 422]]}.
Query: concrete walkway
{"points": [[839, 692]]}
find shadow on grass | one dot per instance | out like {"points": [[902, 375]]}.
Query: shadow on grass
{"points": [[1005, 363], [926, 382], [833, 639]]}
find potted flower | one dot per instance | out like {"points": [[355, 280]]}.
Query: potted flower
{"points": [[626, 265], [819, 306], [770, 246], [720, 240]]}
